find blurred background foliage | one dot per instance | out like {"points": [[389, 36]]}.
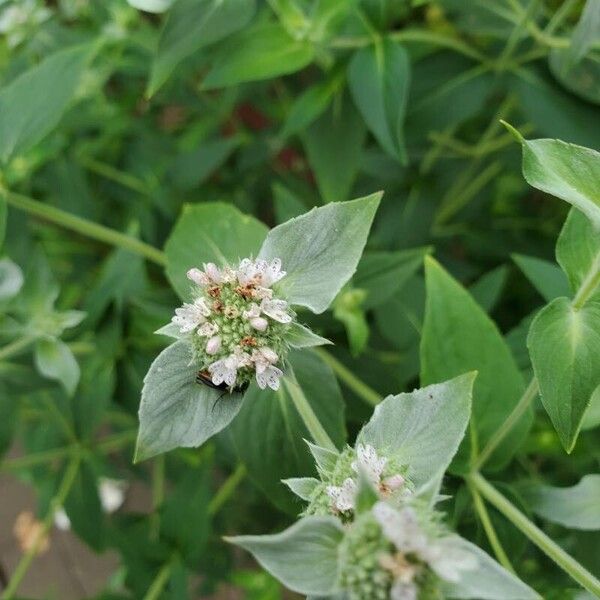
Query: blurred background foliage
{"points": [[118, 114]]}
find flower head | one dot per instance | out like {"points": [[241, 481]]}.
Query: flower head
{"points": [[236, 324]]}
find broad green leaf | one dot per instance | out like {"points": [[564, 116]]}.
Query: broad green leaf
{"points": [[298, 336], [303, 487], [422, 429], [3, 217], [576, 507], [54, 360], [457, 337], [379, 79], [545, 276], [488, 580], [564, 170], [310, 105], [578, 250], [84, 509], [210, 232], [564, 345], [280, 452], [591, 418], [304, 557], [11, 279], [191, 25], [175, 411], [383, 274], [333, 146], [151, 6], [259, 52], [320, 250], [32, 105]]}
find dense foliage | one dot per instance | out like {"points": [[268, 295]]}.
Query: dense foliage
{"points": [[142, 139]]}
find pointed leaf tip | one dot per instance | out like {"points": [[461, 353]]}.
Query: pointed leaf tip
{"points": [[515, 132]]}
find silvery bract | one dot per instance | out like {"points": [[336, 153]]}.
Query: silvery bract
{"points": [[403, 450], [372, 532], [239, 323]]}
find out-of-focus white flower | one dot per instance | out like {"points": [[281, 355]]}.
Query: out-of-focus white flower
{"points": [[19, 17], [213, 345], [368, 461], [342, 496], [112, 495], [276, 309]]}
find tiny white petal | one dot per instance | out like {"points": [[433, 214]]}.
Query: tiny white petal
{"points": [[276, 309], [252, 312], [213, 272], [269, 354], [371, 464], [213, 345], [401, 528], [259, 323], [112, 494], [342, 497], [394, 482], [208, 329], [270, 377], [403, 591], [198, 277]]}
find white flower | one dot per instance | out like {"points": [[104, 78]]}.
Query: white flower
{"points": [[213, 273], [269, 377], [190, 316], [273, 273], [259, 272], [213, 345], [259, 323], [403, 591], [401, 527], [342, 497], [276, 309], [208, 329], [369, 462], [392, 483], [198, 277], [224, 370]]}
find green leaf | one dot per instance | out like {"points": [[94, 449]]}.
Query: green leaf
{"points": [[310, 105], [578, 250], [586, 33], [383, 274], [488, 288], [348, 309], [304, 557], [488, 580], [576, 507], [334, 148], [260, 52], [379, 79], [298, 336], [320, 250], [151, 6], [591, 418], [11, 279], [32, 105], [457, 337], [192, 25], [303, 487], [564, 170], [422, 429], [286, 204], [3, 217], [545, 276], [84, 509], [210, 232], [175, 411], [54, 360], [280, 452], [564, 345]]}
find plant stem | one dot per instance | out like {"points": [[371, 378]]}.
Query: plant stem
{"points": [[309, 418], [109, 172], [226, 490], [361, 389], [579, 573], [518, 411], [84, 227], [488, 526], [588, 286], [56, 503], [158, 493], [157, 586], [16, 346]]}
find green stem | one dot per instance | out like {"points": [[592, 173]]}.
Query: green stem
{"points": [[488, 526], [109, 172], [226, 490], [158, 493], [344, 374], [158, 585], [588, 286], [56, 503], [16, 347], [309, 418], [579, 573], [84, 227], [513, 418]]}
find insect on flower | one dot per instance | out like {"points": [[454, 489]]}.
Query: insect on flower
{"points": [[204, 378]]}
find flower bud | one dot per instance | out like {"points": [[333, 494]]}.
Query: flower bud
{"points": [[198, 277], [213, 345], [259, 323]]}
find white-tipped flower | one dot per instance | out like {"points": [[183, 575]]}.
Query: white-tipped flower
{"points": [[208, 329], [276, 309], [191, 316], [213, 345], [269, 378], [342, 497], [213, 273], [198, 277], [259, 272], [368, 461], [224, 371], [259, 323]]}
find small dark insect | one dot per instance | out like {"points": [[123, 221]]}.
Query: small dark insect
{"points": [[203, 378]]}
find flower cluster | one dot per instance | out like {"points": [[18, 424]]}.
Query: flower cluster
{"points": [[19, 19], [335, 493], [400, 554], [236, 324]]}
